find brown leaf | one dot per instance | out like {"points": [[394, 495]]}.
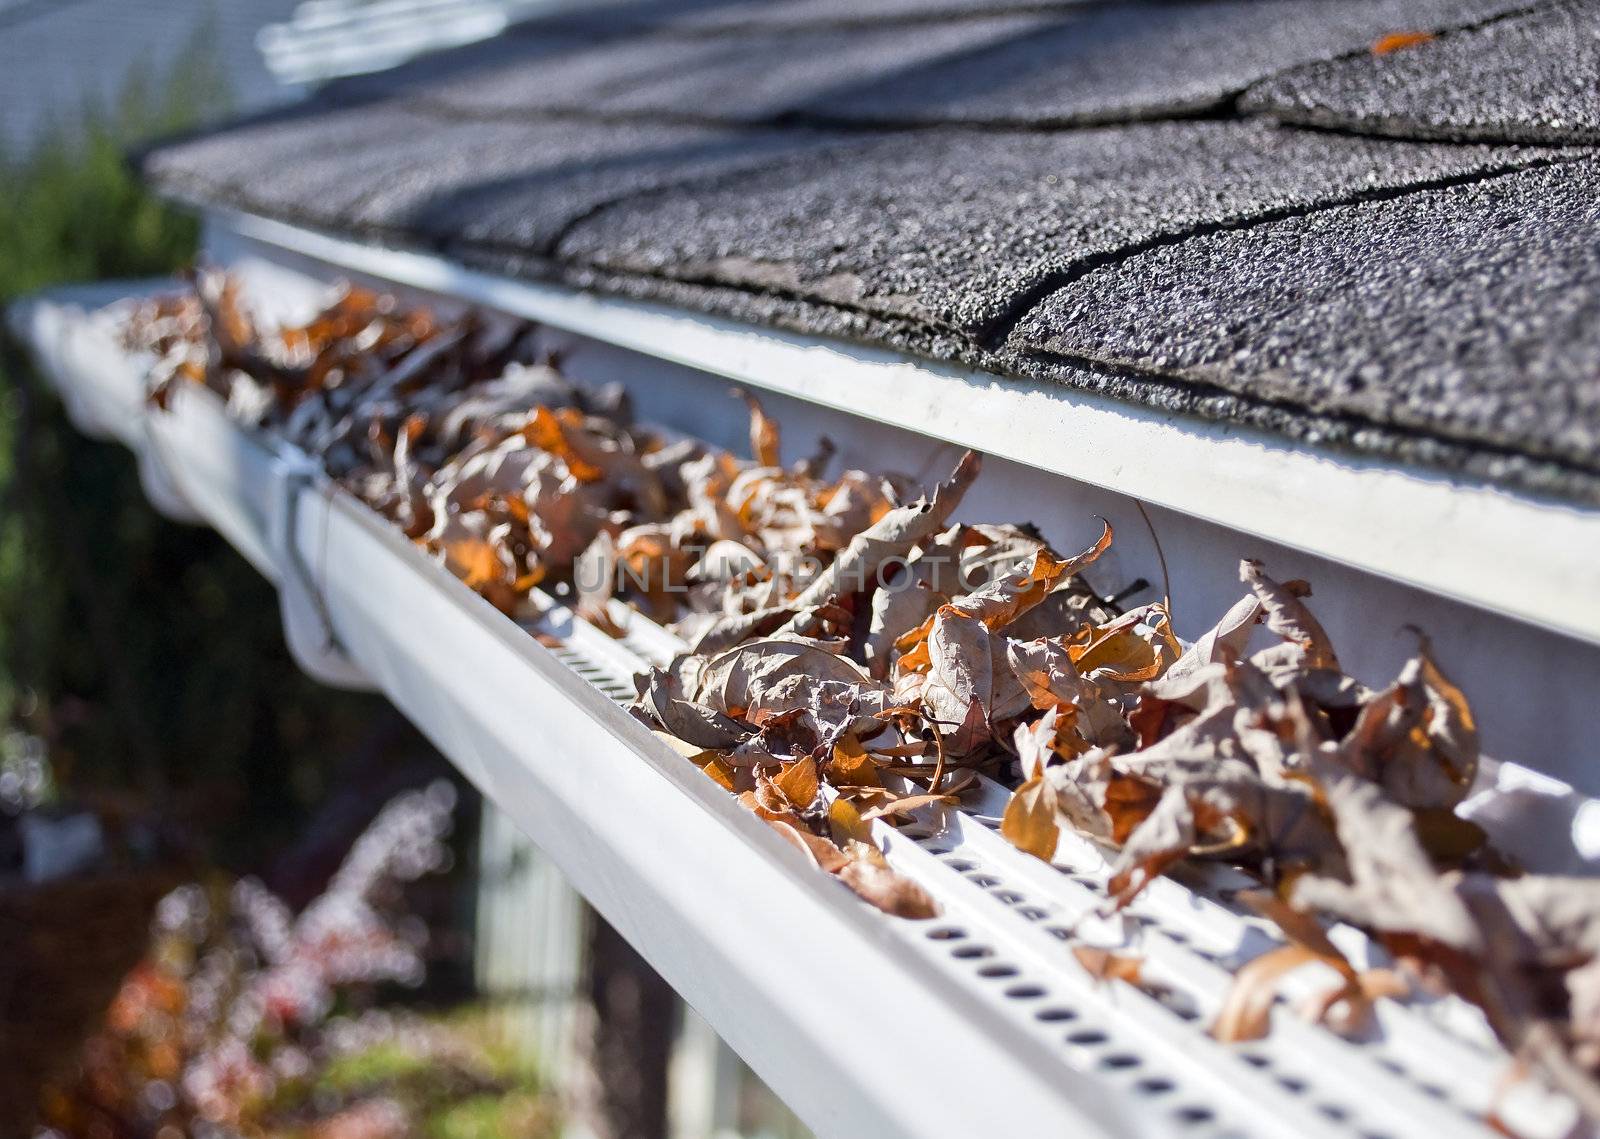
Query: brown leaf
{"points": [[874, 882], [1029, 822], [892, 536], [1104, 965], [851, 766], [799, 783], [1287, 615], [764, 435], [1246, 1012]]}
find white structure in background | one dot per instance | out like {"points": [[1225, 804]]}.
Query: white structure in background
{"points": [[329, 38], [56, 58], [530, 928]]}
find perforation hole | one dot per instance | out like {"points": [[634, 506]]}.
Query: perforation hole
{"points": [[1055, 1014], [1120, 1061], [1292, 1084], [1194, 1114], [1033, 913], [1009, 897], [1154, 1086], [1024, 992], [1087, 1038], [970, 951], [997, 972], [946, 933], [1059, 932], [960, 865], [985, 880], [1178, 1004]]}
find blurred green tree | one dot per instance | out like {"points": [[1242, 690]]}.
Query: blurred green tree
{"points": [[147, 655]]}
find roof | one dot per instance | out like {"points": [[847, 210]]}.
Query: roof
{"points": [[1365, 223]]}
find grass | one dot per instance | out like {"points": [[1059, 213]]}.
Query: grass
{"points": [[465, 1082]]}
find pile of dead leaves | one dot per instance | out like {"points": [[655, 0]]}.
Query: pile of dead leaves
{"points": [[858, 656], [475, 445]]}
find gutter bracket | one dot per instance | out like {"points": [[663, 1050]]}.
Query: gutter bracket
{"points": [[307, 624], [155, 475]]}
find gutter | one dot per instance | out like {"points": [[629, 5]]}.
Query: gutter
{"points": [[800, 978]]}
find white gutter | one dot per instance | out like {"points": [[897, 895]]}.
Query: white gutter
{"points": [[1503, 551], [718, 904], [978, 1022]]}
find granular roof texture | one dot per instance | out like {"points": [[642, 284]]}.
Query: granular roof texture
{"points": [[1365, 222], [962, 228], [1456, 289], [1530, 77]]}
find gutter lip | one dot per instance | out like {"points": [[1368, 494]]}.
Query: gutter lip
{"points": [[1500, 550]]}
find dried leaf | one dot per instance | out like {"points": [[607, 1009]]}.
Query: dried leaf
{"points": [[875, 883], [799, 783], [1398, 41], [1246, 1012], [1029, 822], [1104, 965]]}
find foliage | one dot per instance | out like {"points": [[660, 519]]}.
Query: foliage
{"points": [[242, 1014], [146, 655]]}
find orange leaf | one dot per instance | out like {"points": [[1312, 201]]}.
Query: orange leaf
{"points": [[799, 783], [1246, 1013], [720, 773], [1108, 966], [851, 766], [1397, 41], [1029, 823]]}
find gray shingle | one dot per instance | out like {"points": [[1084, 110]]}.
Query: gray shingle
{"points": [[955, 229], [392, 169], [1072, 64], [1214, 265], [1530, 77], [813, 13], [739, 77], [1468, 313], [1116, 62]]}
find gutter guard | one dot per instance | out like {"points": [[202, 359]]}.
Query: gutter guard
{"points": [[732, 916]]}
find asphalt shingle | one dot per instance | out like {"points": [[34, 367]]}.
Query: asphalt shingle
{"points": [[517, 183], [1069, 64], [956, 229], [1467, 313], [738, 77], [900, 172], [1530, 77]]}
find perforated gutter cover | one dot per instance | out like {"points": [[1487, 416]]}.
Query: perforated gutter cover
{"points": [[734, 918]]}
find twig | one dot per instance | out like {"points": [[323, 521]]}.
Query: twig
{"points": [[1166, 578]]}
